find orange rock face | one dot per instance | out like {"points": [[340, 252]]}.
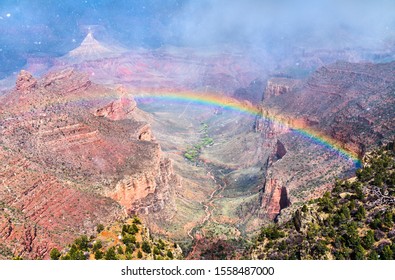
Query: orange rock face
{"points": [[274, 198], [40, 211], [72, 156]]}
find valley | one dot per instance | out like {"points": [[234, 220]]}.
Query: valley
{"points": [[206, 147]]}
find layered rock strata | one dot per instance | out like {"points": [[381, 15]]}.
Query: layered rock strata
{"points": [[352, 103], [73, 155]]}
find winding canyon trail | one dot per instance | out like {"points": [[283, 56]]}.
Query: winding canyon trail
{"points": [[196, 233]]}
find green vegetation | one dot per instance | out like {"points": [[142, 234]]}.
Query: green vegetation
{"points": [[192, 153], [139, 254], [271, 233], [55, 254], [169, 254], [353, 221], [110, 254], [120, 241], [146, 247], [100, 228]]}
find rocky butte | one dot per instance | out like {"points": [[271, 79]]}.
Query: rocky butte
{"points": [[73, 155]]}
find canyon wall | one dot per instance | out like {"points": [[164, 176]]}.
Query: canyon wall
{"points": [[352, 103], [73, 155]]}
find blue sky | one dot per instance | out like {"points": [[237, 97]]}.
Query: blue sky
{"points": [[45, 27]]}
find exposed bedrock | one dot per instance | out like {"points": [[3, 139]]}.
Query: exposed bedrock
{"points": [[160, 203], [25, 82], [273, 198], [281, 151], [40, 211], [252, 93], [118, 109], [67, 166], [352, 103], [149, 191], [279, 86]]}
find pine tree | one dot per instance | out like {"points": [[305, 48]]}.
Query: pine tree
{"points": [[55, 254], [139, 254]]}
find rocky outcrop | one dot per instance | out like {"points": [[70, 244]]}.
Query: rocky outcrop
{"points": [[137, 186], [55, 82], [268, 128], [68, 165], [273, 198], [279, 86], [252, 93], [163, 196], [25, 82], [145, 133], [117, 110], [281, 151]]}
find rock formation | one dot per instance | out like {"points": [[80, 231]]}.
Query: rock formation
{"points": [[273, 198], [25, 82], [118, 109], [252, 93], [281, 151], [350, 102], [91, 49], [71, 155], [178, 68], [279, 86]]}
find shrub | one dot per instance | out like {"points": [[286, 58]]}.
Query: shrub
{"points": [[55, 254], [146, 247], [368, 240], [120, 250], [98, 255], [99, 228], [386, 253], [97, 246], [110, 254], [156, 251], [271, 232], [82, 243], [169, 255], [139, 254], [136, 220], [129, 239]]}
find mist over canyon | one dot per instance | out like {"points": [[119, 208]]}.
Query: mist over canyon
{"points": [[208, 120]]}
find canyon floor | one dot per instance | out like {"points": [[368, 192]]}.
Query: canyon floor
{"points": [[97, 131]]}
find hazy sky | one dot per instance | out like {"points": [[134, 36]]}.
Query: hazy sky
{"points": [[54, 27]]}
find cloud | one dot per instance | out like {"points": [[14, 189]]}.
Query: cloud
{"points": [[325, 23]]}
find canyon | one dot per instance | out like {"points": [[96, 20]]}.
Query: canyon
{"points": [[79, 147]]}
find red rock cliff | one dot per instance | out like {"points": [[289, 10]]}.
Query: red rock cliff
{"points": [[273, 198], [64, 169]]}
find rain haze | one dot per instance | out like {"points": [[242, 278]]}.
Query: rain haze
{"points": [[197, 130], [52, 28]]}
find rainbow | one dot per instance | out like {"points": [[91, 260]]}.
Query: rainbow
{"points": [[218, 100]]}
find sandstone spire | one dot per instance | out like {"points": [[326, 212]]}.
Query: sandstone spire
{"points": [[92, 49]]}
